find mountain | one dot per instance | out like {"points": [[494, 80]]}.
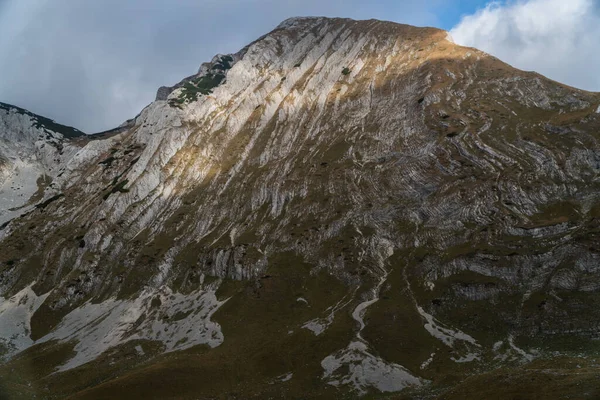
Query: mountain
{"points": [[32, 151], [341, 209]]}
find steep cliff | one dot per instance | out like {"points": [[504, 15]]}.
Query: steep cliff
{"points": [[341, 208]]}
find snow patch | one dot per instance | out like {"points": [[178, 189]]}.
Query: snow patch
{"points": [[178, 321], [497, 345], [15, 319], [140, 350], [468, 358], [282, 378], [285, 378], [365, 370], [318, 325], [446, 335], [426, 363], [519, 351], [508, 350]]}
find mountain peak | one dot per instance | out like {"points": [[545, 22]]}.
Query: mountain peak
{"points": [[289, 22], [33, 150], [302, 37], [295, 22], [47, 124]]}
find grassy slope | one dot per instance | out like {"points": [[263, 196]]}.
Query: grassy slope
{"points": [[256, 321]]}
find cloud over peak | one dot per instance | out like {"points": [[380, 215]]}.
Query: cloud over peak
{"points": [[557, 38]]}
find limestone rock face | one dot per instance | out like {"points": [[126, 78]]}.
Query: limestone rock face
{"points": [[163, 93], [384, 207], [33, 149], [218, 67]]}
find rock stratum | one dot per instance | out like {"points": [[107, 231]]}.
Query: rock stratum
{"points": [[341, 209]]}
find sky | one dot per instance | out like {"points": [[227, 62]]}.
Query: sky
{"points": [[94, 64]]}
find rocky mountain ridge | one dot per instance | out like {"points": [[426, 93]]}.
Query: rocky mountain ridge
{"points": [[33, 150], [345, 207]]}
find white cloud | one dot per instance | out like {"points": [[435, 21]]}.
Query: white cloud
{"points": [[557, 38]]}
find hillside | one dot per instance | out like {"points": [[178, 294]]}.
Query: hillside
{"points": [[341, 209]]}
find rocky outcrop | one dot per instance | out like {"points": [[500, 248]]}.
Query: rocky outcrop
{"points": [[163, 93], [214, 71], [33, 151]]}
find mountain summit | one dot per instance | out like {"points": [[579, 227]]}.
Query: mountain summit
{"points": [[342, 208]]}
